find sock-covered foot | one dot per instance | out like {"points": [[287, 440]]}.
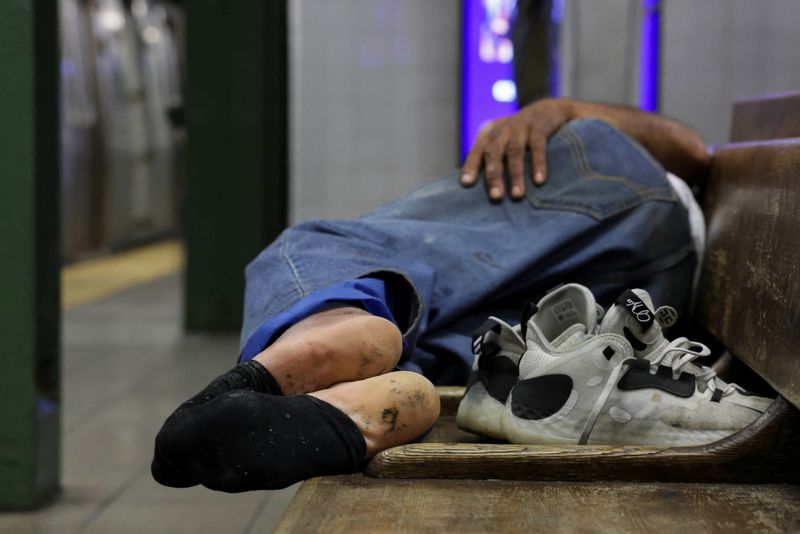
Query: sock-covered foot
{"points": [[244, 440], [251, 376]]}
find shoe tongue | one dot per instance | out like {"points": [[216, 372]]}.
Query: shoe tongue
{"points": [[632, 315], [570, 337], [564, 312]]}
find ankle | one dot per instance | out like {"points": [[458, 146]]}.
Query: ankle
{"points": [[332, 347], [389, 410]]}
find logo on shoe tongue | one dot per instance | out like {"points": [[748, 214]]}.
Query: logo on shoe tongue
{"points": [[637, 309], [565, 310]]}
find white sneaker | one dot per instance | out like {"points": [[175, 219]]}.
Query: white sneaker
{"points": [[603, 391], [498, 348]]}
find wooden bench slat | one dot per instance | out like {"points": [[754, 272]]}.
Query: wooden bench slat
{"points": [[358, 504]]}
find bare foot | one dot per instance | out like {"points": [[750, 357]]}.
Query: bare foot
{"points": [[339, 345], [390, 409]]}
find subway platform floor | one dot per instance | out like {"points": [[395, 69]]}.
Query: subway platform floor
{"points": [[126, 364]]}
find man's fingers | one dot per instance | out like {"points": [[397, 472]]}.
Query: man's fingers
{"points": [[515, 157], [472, 163], [539, 156], [493, 167], [469, 171]]}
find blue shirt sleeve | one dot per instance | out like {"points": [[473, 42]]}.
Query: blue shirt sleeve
{"points": [[366, 293]]}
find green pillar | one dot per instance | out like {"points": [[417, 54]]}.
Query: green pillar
{"points": [[29, 261], [236, 98]]}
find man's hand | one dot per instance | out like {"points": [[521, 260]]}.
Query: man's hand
{"points": [[505, 141], [678, 148]]}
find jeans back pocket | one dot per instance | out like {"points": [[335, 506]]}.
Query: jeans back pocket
{"points": [[595, 169]]}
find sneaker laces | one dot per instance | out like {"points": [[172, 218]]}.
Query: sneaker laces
{"points": [[688, 352]]}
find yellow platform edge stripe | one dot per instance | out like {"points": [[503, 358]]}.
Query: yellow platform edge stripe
{"points": [[98, 278]]}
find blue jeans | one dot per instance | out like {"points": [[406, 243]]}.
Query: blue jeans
{"points": [[606, 218]]}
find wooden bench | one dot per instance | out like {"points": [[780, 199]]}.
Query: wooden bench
{"points": [[749, 301]]}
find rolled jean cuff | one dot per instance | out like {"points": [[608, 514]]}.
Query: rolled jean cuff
{"points": [[366, 293]]}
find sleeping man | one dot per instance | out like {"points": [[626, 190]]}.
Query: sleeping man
{"points": [[349, 324]]}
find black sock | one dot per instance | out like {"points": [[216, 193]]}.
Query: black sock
{"points": [[250, 375], [244, 440]]}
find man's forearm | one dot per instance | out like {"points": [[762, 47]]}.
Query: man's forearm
{"points": [[502, 145], [678, 148]]}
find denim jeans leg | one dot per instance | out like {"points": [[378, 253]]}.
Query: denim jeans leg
{"points": [[607, 217]]}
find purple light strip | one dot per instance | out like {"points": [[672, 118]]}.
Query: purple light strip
{"points": [[556, 26], [478, 105], [466, 93], [648, 65]]}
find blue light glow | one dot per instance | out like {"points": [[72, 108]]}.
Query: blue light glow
{"points": [[648, 65], [488, 90]]}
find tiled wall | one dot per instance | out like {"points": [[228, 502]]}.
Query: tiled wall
{"points": [[374, 101]]}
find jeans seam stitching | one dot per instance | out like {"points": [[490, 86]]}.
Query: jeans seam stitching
{"points": [[592, 174], [290, 263], [578, 152]]}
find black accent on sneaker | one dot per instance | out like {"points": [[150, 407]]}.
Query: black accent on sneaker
{"points": [[609, 353], [498, 375], [639, 377], [633, 340], [505, 374], [636, 307], [243, 440], [528, 311], [485, 364], [717, 395], [482, 330], [486, 359], [639, 363], [540, 397]]}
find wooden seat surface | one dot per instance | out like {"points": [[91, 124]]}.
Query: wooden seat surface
{"points": [[355, 503]]}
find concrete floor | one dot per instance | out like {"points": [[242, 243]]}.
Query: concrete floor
{"points": [[126, 366]]}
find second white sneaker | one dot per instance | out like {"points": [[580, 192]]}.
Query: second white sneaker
{"points": [[601, 390]]}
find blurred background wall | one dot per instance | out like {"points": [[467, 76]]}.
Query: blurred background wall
{"points": [[374, 107], [717, 51], [379, 91], [120, 160]]}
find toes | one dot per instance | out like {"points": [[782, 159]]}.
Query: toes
{"points": [[172, 449]]}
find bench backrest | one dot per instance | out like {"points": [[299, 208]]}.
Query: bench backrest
{"points": [[766, 117], [749, 294]]}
